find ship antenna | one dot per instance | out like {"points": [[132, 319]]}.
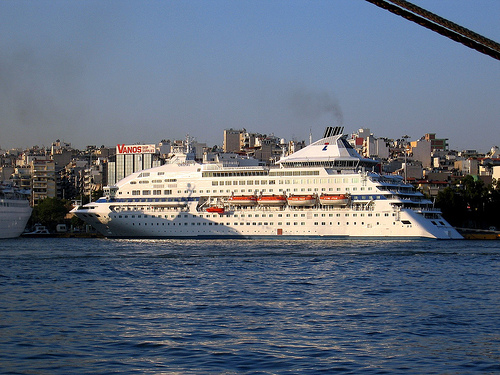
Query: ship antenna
{"points": [[188, 144]]}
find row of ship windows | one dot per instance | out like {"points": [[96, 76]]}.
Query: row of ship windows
{"points": [[246, 173], [279, 223], [14, 204], [433, 222], [169, 192], [259, 173], [250, 215], [348, 188], [338, 180], [306, 181], [154, 181], [260, 223], [248, 182], [147, 174]]}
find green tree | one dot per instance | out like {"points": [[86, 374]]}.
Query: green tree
{"points": [[475, 194], [492, 206], [452, 204], [470, 204], [50, 212]]}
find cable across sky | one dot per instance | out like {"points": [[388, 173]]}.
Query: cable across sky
{"points": [[441, 25]]}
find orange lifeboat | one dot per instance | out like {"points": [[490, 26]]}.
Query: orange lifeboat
{"points": [[301, 200], [334, 199], [216, 209], [272, 200], [243, 200]]}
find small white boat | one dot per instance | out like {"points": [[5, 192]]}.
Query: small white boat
{"points": [[38, 231]]}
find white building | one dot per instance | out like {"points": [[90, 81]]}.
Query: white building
{"points": [[232, 140], [496, 172], [130, 159], [421, 150], [376, 148]]}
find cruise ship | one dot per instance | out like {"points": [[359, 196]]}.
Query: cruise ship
{"points": [[15, 211], [325, 190]]}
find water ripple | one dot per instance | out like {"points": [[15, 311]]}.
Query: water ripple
{"points": [[228, 307]]}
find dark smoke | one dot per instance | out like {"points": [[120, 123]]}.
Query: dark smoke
{"points": [[312, 105], [39, 91]]}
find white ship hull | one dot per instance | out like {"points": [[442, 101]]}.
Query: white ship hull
{"points": [[14, 214], [150, 222], [171, 201]]}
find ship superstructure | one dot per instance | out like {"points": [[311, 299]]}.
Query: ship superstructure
{"points": [[325, 190]]}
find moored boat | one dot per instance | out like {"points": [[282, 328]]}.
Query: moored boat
{"points": [[333, 192], [334, 199], [39, 231], [301, 200], [271, 200], [216, 209], [243, 200], [15, 211]]}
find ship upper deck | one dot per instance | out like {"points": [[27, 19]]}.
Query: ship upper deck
{"points": [[333, 151]]}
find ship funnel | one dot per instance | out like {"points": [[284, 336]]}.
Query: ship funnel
{"points": [[331, 131]]}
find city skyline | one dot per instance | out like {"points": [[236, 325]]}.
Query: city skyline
{"points": [[94, 73], [351, 136]]}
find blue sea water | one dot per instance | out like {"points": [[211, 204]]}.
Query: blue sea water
{"points": [[99, 306]]}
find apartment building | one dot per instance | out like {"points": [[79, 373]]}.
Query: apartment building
{"points": [[43, 180]]}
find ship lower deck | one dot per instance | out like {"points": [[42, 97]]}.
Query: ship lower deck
{"points": [[267, 223]]}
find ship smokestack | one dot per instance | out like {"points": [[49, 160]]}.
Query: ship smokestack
{"points": [[331, 131]]}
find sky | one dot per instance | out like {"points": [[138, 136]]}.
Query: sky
{"points": [[92, 72]]}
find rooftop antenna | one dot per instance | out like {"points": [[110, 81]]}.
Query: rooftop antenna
{"points": [[188, 144]]}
